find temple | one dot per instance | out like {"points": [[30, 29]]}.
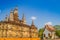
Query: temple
{"points": [[13, 27]]}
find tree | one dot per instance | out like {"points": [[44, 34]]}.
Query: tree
{"points": [[57, 30], [57, 27], [58, 33], [41, 32]]}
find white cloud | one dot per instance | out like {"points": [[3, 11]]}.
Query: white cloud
{"points": [[33, 17], [48, 23]]}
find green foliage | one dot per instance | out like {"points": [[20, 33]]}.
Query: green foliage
{"points": [[57, 30], [41, 33], [57, 27], [58, 33]]}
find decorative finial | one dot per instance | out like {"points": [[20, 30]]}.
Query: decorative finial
{"points": [[6, 18], [23, 19], [6, 15], [32, 22], [16, 8], [11, 11]]}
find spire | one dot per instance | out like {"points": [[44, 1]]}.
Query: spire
{"points": [[11, 11], [32, 25], [16, 10], [16, 14], [23, 19], [11, 16], [6, 18], [32, 22]]}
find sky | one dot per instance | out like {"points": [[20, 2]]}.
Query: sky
{"points": [[42, 11]]}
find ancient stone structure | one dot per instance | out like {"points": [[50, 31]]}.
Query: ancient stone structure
{"points": [[12, 27]]}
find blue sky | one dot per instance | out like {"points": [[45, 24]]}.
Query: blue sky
{"points": [[43, 10]]}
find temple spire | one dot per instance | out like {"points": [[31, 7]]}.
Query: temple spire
{"points": [[16, 14], [23, 19], [11, 18], [6, 18], [11, 11], [32, 25], [16, 10], [32, 22]]}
